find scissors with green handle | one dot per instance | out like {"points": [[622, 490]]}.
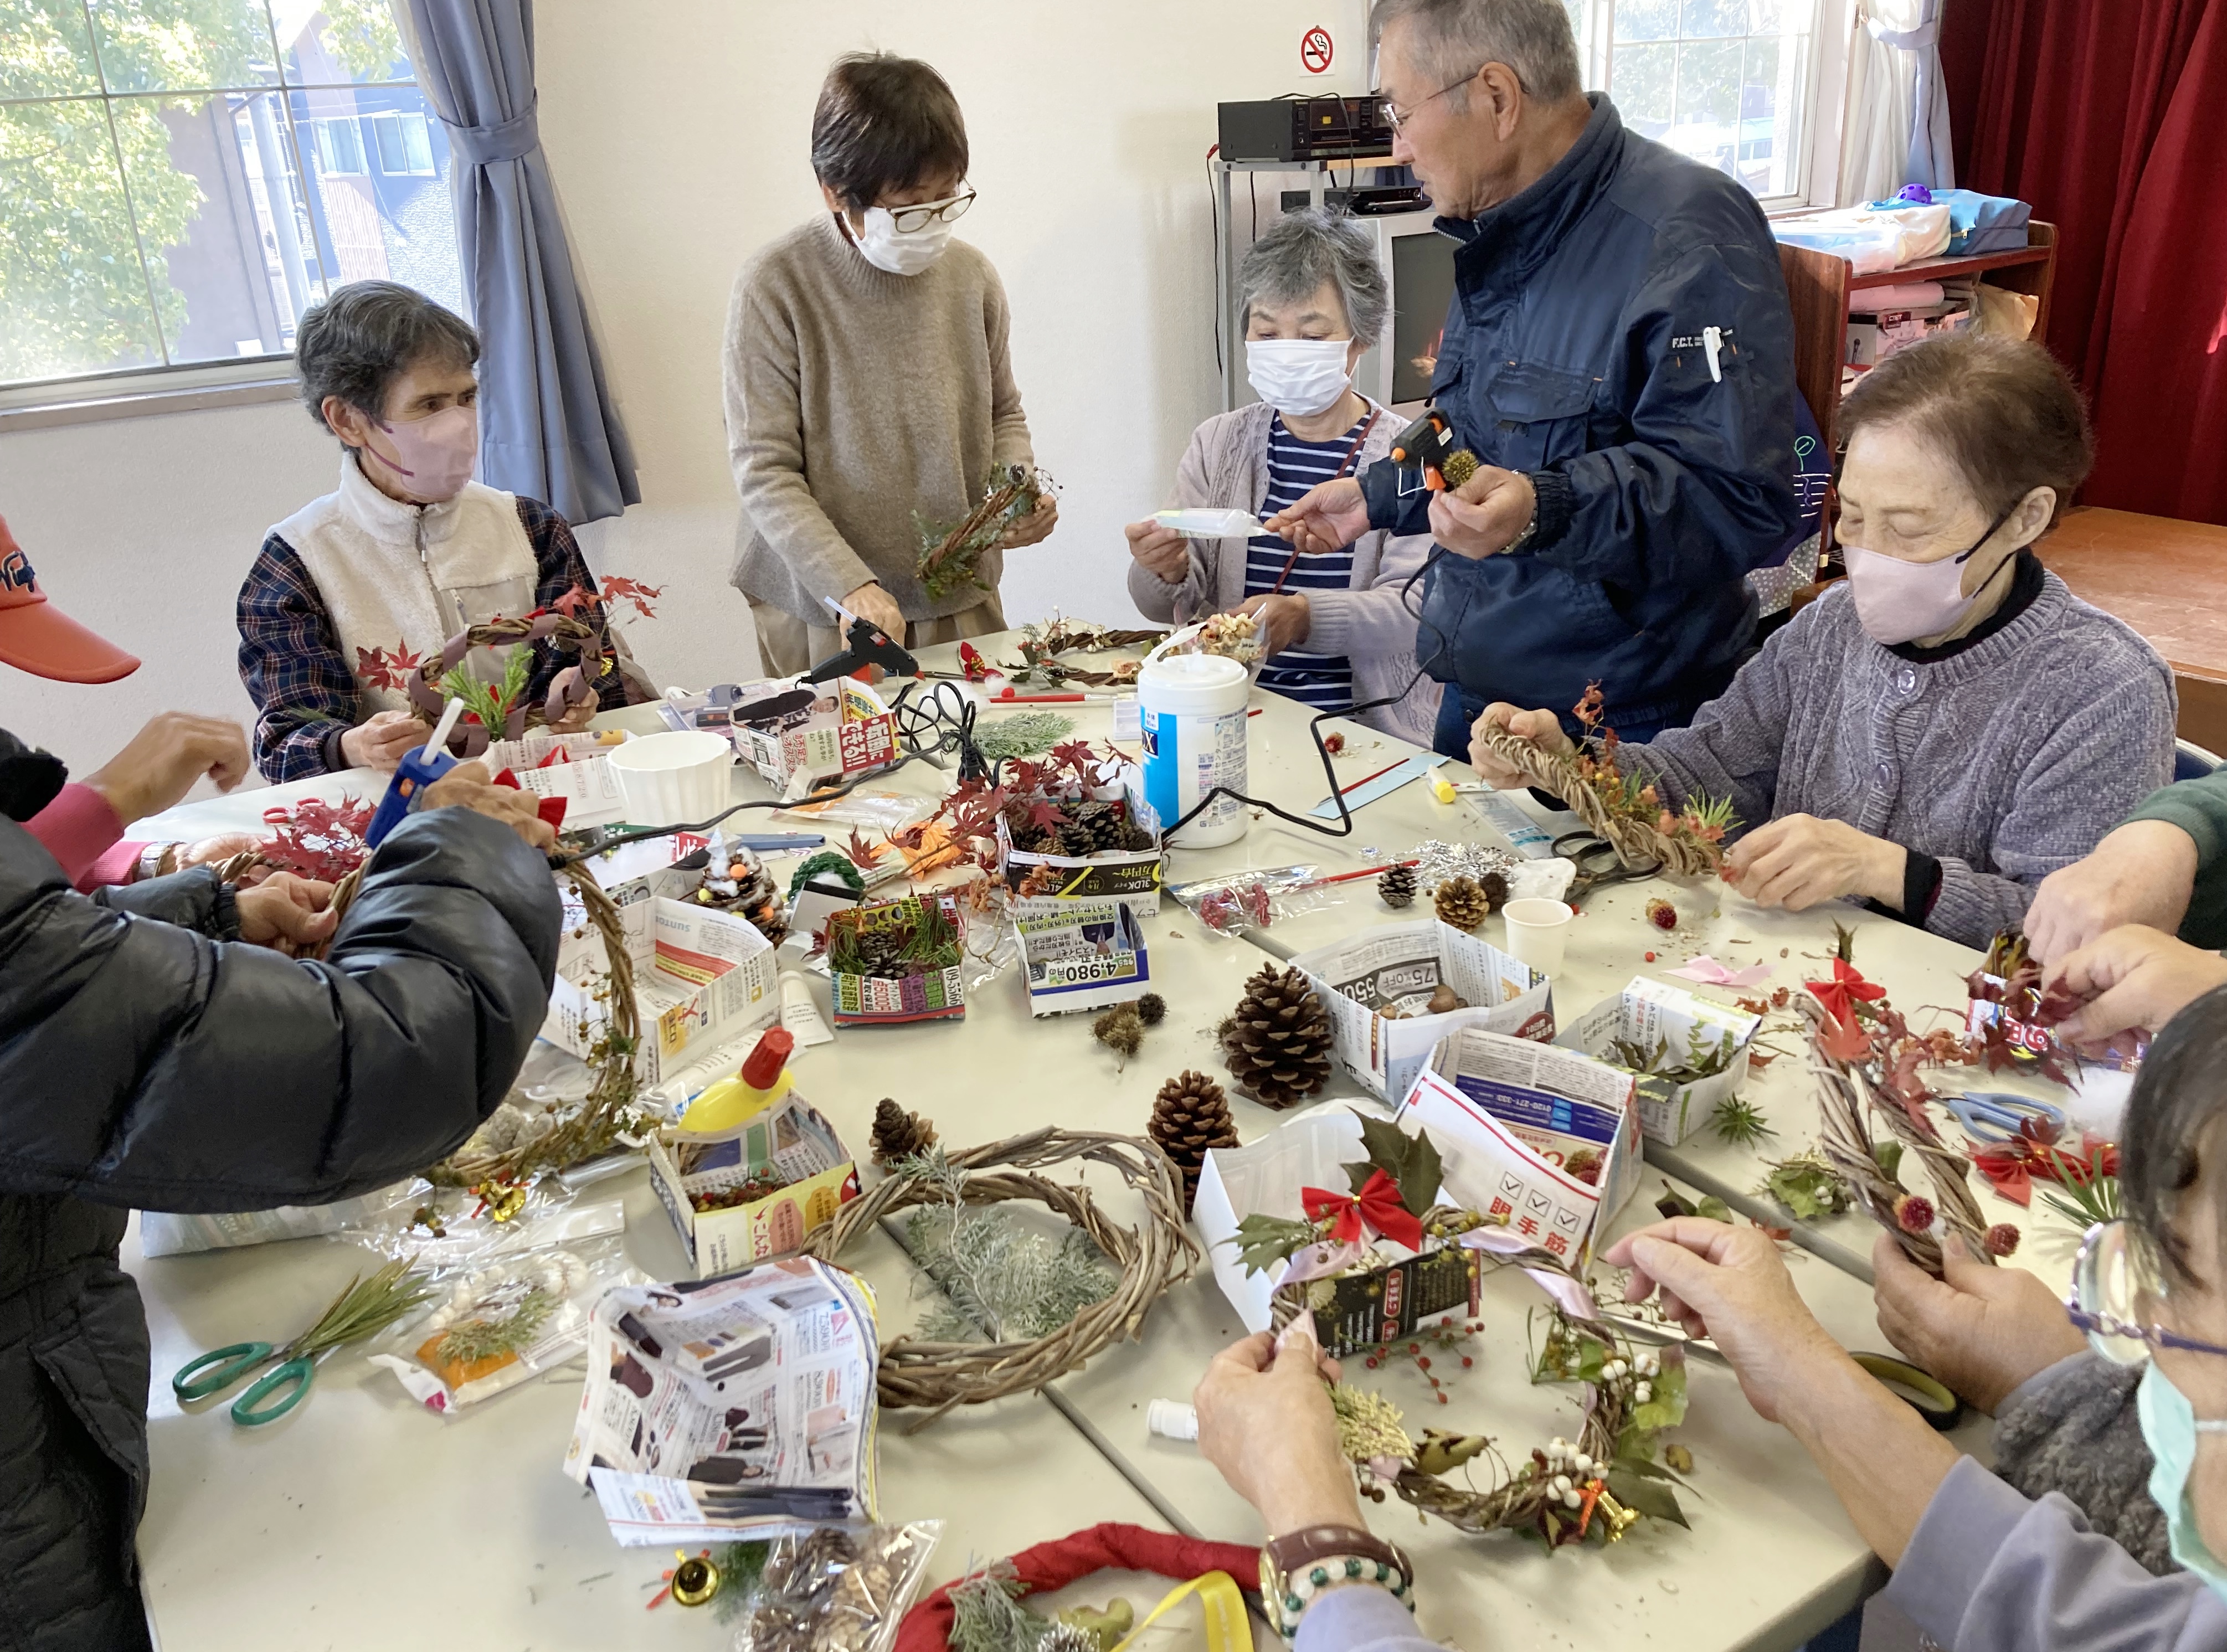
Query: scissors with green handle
{"points": [[225, 1366], [365, 1308]]}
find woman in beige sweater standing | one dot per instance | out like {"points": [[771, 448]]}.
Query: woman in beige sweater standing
{"points": [[867, 378]]}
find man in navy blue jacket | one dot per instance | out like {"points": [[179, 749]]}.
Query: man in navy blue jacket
{"points": [[1619, 355]]}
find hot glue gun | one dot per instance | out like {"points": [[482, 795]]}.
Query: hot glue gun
{"points": [[417, 771]]}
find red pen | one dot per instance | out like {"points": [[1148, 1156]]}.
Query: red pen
{"points": [[1007, 696], [1365, 779]]}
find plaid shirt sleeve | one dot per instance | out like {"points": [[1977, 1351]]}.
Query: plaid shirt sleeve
{"points": [[291, 663], [560, 565]]}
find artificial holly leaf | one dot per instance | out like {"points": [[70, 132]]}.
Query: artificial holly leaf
{"points": [[1646, 1467], [1887, 1154], [1673, 1204], [1844, 942], [1412, 1161], [1711, 1208], [1261, 1241], [1649, 1497]]}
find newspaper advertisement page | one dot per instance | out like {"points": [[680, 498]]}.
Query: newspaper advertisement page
{"points": [[739, 1407], [1081, 954], [1667, 1028], [1377, 987], [1541, 1138]]}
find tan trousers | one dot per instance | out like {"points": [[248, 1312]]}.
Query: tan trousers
{"points": [[787, 645]]}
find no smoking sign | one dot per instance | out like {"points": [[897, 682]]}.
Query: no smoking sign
{"points": [[1314, 50]]}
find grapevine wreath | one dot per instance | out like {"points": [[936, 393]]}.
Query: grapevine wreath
{"points": [[936, 1376]]}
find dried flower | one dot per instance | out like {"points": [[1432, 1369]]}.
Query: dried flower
{"points": [[1662, 914], [1334, 744], [1913, 1212], [2002, 1239], [1369, 1424]]}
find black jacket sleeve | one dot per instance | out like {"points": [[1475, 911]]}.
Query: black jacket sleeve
{"points": [[193, 900], [143, 1063]]}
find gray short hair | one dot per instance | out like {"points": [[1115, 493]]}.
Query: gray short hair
{"points": [[1459, 37], [368, 335], [1299, 252]]}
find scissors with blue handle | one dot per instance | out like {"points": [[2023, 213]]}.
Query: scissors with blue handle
{"points": [[1997, 1115], [1597, 861], [223, 1366]]}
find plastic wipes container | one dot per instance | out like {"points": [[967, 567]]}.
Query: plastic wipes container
{"points": [[1190, 709], [674, 778]]}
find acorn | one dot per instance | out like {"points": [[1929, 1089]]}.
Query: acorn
{"points": [[1445, 1000]]}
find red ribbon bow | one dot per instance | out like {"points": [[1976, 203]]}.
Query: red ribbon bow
{"points": [[1377, 1205], [1838, 994]]}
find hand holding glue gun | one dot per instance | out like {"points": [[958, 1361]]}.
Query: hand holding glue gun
{"points": [[429, 778]]}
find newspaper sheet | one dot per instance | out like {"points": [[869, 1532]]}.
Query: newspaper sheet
{"points": [[740, 1408]]}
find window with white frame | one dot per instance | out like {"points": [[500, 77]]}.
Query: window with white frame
{"points": [[183, 178], [1732, 83]]}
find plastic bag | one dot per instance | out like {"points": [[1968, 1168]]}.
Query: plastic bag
{"points": [[163, 1234], [882, 811], [446, 1229], [505, 1320], [1257, 897], [837, 1589]]}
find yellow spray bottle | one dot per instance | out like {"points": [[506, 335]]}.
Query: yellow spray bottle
{"points": [[765, 1078]]}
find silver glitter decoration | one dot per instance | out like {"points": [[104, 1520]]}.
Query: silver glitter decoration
{"points": [[1438, 863]]}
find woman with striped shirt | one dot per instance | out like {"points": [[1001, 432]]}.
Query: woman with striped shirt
{"points": [[1338, 632]]}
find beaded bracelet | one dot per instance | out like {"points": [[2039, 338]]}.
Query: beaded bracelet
{"points": [[1303, 1588]]}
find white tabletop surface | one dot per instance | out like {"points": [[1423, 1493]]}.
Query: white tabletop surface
{"points": [[310, 1523]]}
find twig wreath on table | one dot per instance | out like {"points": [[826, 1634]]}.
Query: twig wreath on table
{"points": [[1622, 808], [1866, 1060], [1592, 1489], [937, 1371], [1041, 645]]}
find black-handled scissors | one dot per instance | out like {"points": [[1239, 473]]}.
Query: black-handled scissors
{"points": [[1597, 864]]}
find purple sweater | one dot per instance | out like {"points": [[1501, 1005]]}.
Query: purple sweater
{"points": [[1986, 1570], [2004, 762]]}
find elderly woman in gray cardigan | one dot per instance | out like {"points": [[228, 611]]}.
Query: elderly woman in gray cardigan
{"points": [[1951, 724], [1339, 631]]}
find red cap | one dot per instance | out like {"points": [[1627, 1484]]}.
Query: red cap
{"points": [[37, 637], [765, 1062]]}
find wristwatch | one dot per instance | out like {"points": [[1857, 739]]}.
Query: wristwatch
{"points": [[155, 860], [1530, 532], [1300, 1566]]}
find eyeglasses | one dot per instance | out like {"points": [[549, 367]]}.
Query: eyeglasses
{"points": [[1397, 120], [910, 218], [2116, 1279]]}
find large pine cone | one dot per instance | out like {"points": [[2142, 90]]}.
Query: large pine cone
{"points": [[1397, 886], [1278, 1043], [1461, 903], [1189, 1116], [899, 1134]]}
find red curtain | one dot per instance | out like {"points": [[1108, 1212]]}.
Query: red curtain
{"points": [[2105, 115]]}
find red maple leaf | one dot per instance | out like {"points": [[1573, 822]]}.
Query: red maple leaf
{"points": [[862, 854], [379, 668], [1844, 1041], [617, 587], [1046, 815], [316, 840], [572, 602]]}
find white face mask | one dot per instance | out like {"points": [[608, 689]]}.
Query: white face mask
{"points": [[905, 252], [1302, 376], [1898, 601], [433, 455]]}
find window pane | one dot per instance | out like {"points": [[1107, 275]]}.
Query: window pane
{"points": [[340, 42], [1706, 19], [73, 297], [47, 53], [403, 145], [340, 146], [1643, 81], [377, 225], [1708, 93], [215, 253], [1645, 20], [182, 45]]}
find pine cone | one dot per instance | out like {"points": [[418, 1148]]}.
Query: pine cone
{"points": [[1190, 1116], [760, 900], [1075, 839], [899, 1134], [1461, 903], [879, 953], [1397, 886], [1102, 822], [1278, 1043]]}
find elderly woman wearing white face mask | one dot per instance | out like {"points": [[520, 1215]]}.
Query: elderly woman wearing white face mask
{"points": [[1950, 725], [1339, 628]]}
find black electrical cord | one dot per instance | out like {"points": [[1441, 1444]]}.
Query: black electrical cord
{"points": [[926, 729]]}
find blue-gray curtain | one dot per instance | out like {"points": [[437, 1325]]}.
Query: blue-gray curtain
{"points": [[547, 428]]}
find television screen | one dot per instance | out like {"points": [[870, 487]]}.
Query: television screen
{"points": [[1422, 290]]}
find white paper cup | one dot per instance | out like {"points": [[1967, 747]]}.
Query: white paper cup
{"points": [[675, 778], [1536, 932]]}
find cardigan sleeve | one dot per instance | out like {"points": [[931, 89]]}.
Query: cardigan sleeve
{"points": [[293, 668]]}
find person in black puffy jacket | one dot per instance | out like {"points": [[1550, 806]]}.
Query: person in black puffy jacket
{"points": [[161, 1050]]}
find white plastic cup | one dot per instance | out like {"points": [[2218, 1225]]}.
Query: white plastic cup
{"points": [[1536, 933], [672, 779], [1190, 708]]}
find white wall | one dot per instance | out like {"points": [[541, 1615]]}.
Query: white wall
{"points": [[678, 134]]}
